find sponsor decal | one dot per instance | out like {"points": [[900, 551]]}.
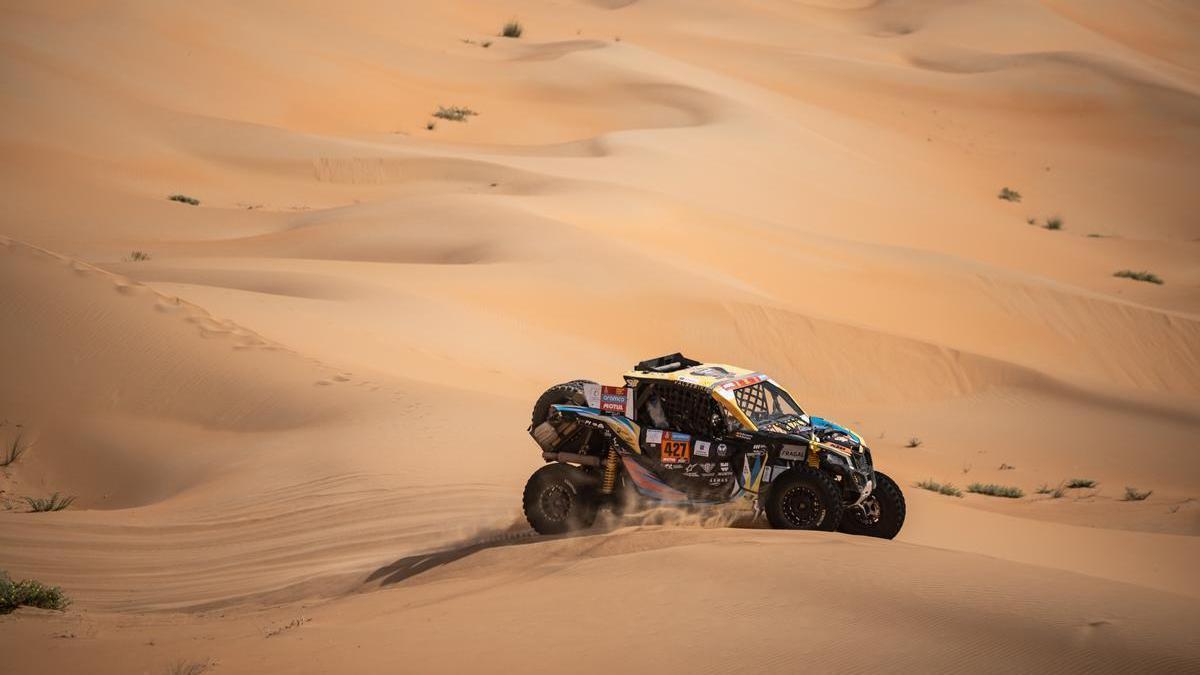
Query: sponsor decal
{"points": [[722, 450], [710, 371], [616, 399], [708, 467], [654, 436], [792, 452], [701, 449], [609, 399], [730, 385], [676, 448]]}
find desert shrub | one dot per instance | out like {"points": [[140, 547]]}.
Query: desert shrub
{"points": [[138, 256], [184, 199], [1006, 467], [913, 442], [1081, 483], [454, 113], [1009, 195], [29, 593], [1031, 221], [940, 488], [994, 490], [1148, 277], [1133, 494], [431, 125], [13, 451], [512, 29], [190, 667], [54, 502], [485, 44], [1055, 492], [1054, 223]]}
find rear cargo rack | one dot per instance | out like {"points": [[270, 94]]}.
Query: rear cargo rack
{"points": [[666, 364]]}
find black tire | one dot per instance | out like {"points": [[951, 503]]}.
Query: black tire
{"points": [[560, 498], [882, 514], [803, 498], [569, 392]]}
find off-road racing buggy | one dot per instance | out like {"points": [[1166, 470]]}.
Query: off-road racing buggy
{"points": [[689, 433]]}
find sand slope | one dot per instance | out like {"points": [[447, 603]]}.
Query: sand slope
{"points": [[296, 432]]}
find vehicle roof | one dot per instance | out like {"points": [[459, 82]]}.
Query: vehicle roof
{"points": [[707, 375]]}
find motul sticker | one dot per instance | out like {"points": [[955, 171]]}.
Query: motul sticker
{"points": [[616, 399], [701, 449], [609, 399]]}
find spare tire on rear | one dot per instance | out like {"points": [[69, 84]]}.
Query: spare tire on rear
{"points": [[568, 393]]}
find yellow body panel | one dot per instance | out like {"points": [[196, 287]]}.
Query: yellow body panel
{"points": [[719, 378]]}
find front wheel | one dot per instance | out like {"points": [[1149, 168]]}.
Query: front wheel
{"points": [[803, 498], [880, 515], [560, 498]]}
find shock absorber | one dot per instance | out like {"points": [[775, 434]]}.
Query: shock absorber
{"points": [[610, 473]]}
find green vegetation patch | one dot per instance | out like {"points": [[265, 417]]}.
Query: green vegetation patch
{"points": [[512, 29], [454, 113], [1148, 277], [54, 502], [993, 490], [1009, 195], [29, 593], [1133, 494], [940, 488]]}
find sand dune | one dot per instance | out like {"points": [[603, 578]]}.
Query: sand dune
{"points": [[296, 433]]}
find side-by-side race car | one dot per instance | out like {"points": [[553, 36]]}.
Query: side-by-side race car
{"points": [[687, 433]]}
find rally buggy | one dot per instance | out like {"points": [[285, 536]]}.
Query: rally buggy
{"points": [[687, 433]]}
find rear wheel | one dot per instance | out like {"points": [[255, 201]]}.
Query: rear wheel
{"points": [[880, 515], [803, 498], [560, 498], [570, 393]]}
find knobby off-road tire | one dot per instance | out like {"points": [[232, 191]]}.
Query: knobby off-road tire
{"points": [[560, 498], [882, 514], [803, 498], [570, 393]]}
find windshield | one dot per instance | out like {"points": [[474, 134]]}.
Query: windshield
{"points": [[765, 402]]}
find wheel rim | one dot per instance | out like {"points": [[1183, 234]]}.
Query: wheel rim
{"points": [[869, 512], [556, 502], [802, 507]]}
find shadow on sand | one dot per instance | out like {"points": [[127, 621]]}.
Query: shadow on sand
{"points": [[410, 566]]}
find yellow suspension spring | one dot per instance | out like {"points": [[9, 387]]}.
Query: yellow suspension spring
{"points": [[610, 473]]}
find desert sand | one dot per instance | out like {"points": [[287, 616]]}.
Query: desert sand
{"points": [[295, 427]]}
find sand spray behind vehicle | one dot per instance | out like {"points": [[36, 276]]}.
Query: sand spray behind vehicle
{"points": [[518, 532]]}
